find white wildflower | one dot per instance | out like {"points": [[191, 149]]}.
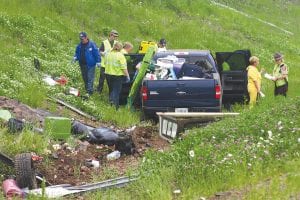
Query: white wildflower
{"points": [[177, 191], [266, 152], [262, 130], [279, 123], [229, 155], [202, 198], [267, 141], [249, 164], [192, 154], [261, 138], [270, 134], [213, 137], [298, 140], [280, 127]]}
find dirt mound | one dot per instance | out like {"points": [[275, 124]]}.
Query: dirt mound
{"points": [[70, 165]]}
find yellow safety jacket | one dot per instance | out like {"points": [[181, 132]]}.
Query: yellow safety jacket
{"points": [[278, 71], [107, 48], [115, 63]]}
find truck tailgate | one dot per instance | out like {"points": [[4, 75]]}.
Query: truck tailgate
{"points": [[181, 93]]}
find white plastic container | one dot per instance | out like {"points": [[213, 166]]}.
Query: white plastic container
{"points": [[113, 155]]}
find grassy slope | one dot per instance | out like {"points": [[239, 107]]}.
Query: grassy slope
{"points": [[49, 30]]}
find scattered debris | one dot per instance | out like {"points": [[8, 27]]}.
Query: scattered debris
{"points": [[11, 189], [5, 115], [113, 155], [56, 191], [72, 108]]}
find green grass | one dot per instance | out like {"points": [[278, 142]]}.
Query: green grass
{"points": [[231, 154]]}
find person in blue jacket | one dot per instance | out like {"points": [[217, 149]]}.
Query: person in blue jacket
{"points": [[87, 54]]}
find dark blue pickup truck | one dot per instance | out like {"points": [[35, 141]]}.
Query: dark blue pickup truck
{"points": [[197, 87], [202, 83]]}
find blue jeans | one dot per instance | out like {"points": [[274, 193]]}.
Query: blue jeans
{"points": [[88, 76], [114, 87]]}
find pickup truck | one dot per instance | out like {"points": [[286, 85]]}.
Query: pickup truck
{"points": [[196, 89], [201, 85]]}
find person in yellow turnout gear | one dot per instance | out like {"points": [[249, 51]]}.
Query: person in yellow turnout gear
{"points": [[254, 80], [106, 46], [280, 74], [115, 71]]}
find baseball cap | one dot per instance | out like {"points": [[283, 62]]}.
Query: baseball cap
{"points": [[115, 33], [163, 41], [278, 56], [82, 35]]}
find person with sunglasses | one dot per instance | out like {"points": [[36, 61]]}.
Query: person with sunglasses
{"points": [[106, 47]]}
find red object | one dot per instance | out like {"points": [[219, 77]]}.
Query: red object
{"points": [[62, 80], [144, 93], [11, 189], [218, 91]]}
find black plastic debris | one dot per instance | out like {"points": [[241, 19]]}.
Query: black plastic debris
{"points": [[125, 145], [15, 125], [103, 135], [79, 128]]}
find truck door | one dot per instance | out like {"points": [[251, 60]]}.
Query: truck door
{"points": [[232, 68]]}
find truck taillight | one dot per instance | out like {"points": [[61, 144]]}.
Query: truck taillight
{"points": [[218, 91], [144, 93]]}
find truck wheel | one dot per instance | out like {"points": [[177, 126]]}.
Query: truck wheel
{"points": [[25, 172]]}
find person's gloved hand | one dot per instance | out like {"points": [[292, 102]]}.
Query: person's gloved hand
{"points": [[98, 65], [74, 60], [127, 79]]}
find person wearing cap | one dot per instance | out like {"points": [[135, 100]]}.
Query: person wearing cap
{"points": [[254, 80], [127, 48], [280, 74], [106, 47], [87, 54], [115, 70], [162, 45]]}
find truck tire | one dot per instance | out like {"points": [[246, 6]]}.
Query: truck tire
{"points": [[25, 172]]}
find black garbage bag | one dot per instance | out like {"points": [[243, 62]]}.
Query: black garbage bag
{"points": [[125, 145], [103, 135], [79, 128], [15, 125]]}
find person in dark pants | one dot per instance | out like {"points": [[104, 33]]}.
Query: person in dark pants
{"points": [[88, 56], [280, 74], [106, 47], [115, 70]]}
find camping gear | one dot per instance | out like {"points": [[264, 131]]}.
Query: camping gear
{"points": [[58, 127]]}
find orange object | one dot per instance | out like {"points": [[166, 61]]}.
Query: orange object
{"points": [[62, 80]]}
